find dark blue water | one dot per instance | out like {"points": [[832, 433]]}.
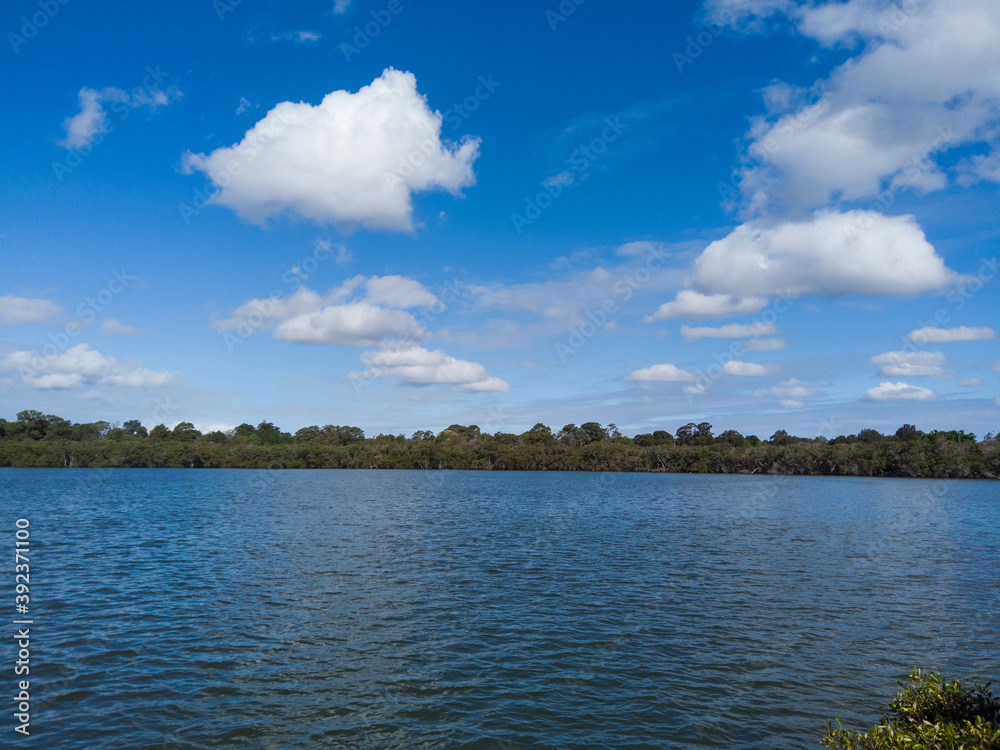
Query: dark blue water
{"points": [[365, 609]]}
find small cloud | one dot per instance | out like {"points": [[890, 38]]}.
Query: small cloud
{"points": [[245, 106], [83, 127], [81, 366], [340, 7], [731, 331], [898, 392], [933, 335], [15, 311], [744, 369], [912, 364], [694, 305], [114, 327], [971, 383], [415, 365], [296, 37], [565, 179], [661, 373], [793, 393], [695, 390], [765, 345]]}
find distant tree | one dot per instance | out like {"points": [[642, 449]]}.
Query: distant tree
{"points": [[244, 430], [594, 432], [870, 436], [732, 437], [908, 432], [307, 434], [160, 432], [422, 436], [662, 437], [685, 434], [752, 440], [185, 432], [780, 438], [134, 427], [540, 433]]}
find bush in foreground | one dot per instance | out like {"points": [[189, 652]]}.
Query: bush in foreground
{"points": [[928, 714]]}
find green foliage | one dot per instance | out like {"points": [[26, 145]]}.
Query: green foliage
{"points": [[37, 439], [928, 714]]}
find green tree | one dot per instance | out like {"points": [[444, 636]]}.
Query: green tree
{"points": [[928, 714], [134, 427]]}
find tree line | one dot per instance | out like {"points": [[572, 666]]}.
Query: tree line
{"points": [[35, 439]]}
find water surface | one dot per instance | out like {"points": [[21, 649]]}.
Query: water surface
{"points": [[407, 609]]}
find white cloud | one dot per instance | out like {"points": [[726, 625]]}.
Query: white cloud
{"points": [[15, 311], [418, 366], [657, 373], [731, 331], [363, 311], [398, 291], [694, 306], [83, 127], [971, 382], [898, 392], [82, 366], [351, 324], [830, 253], [114, 327], [744, 369], [352, 159], [764, 345], [925, 80], [980, 168], [793, 393], [341, 6], [933, 335], [308, 318], [995, 366], [912, 364]]}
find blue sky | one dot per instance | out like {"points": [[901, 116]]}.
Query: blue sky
{"points": [[763, 214]]}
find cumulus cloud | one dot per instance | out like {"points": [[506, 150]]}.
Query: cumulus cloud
{"points": [[415, 365], [661, 373], [731, 331], [306, 317], [353, 159], [925, 79], [81, 366], [831, 253], [745, 369], [898, 392], [933, 335], [912, 364], [15, 311], [691, 305]]}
